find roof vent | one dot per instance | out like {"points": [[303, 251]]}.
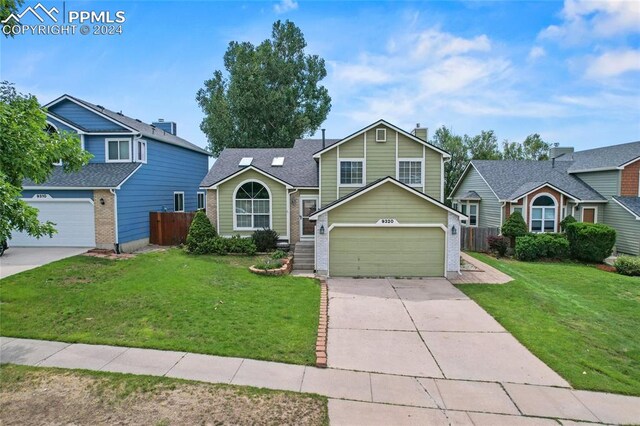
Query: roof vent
{"points": [[277, 162], [100, 106], [138, 121], [245, 161]]}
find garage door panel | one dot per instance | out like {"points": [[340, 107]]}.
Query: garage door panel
{"points": [[379, 251], [75, 223]]}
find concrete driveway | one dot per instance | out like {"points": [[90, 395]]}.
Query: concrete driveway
{"points": [[18, 259], [424, 328]]}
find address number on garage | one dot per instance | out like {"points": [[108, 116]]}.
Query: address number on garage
{"points": [[387, 221]]}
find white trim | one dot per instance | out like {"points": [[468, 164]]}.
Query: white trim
{"points": [[174, 201], [64, 200], [243, 170], [387, 124], [119, 160], [477, 204], [218, 210], [551, 186], [338, 173], [95, 111], [595, 213], [626, 208], [301, 216], [115, 216], [401, 185], [320, 181], [597, 169], [288, 209], [422, 171], [543, 220], [441, 179], [385, 134], [136, 142], [204, 200], [352, 185], [235, 219], [513, 207], [364, 155], [638, 182], [82, 141], [66, 188]]}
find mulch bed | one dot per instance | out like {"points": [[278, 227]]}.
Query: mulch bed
{"points": [[606, 268]]}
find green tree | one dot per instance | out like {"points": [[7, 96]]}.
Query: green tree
{"points": [[28, 151], [483, 146], [7, 7], [443, 138], [270, 95], [535, 148], [512, 150], [513, 227]]}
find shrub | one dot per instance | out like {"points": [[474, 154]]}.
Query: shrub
{"points": [[514, 227], [268, 264], [278, 254], [216, 245], [498, 244], [628, 265], [239, 245], [265, 239], [201, 232], [590, 242], [542, 246], [566, 221]]}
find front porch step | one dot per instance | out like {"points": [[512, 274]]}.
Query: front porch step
{"points": [[304, 256]]}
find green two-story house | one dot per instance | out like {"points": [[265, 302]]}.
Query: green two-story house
{"points": [[370, 204]]}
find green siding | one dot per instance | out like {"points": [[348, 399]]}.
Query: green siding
{"points": [[489, 206], [375, 252], [433, 173], [381, 156], [408, 148], [328, 172], [278, 203], [388, 201], [627, 227], [353, 149], [606, 183]]}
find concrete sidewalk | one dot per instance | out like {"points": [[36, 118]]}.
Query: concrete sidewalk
{"points": [[356, 397]]}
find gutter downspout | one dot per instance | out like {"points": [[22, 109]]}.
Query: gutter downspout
{"points": [[115, 220]]}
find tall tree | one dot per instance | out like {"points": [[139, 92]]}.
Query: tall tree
{"points": [[483, 146], [535, 148], [512, 150], [270, 95], [7, 7], [28, 150], [453, 144]]}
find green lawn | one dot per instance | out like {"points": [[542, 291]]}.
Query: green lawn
{"points": [[582, 322], [165, 300]]}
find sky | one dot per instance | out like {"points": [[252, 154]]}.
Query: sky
{"points": [[568, 71]]}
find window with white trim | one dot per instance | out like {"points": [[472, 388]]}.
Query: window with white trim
{"points": [[118, 150], [200, 200], [252, 206], [381, 135], [178, 201], [410, 171], [543, 214], [473, 214], [141, 151], [351, 172]]}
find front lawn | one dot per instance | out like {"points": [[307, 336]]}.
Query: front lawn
{"points": [[165, 300], [582, 322]]}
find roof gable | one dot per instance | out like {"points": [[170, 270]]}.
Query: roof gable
{"points": [[605, 158], [386, 124], [245, 169], [73, 112]]}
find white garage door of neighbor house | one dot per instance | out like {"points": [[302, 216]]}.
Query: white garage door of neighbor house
{"points": [[74, 219]]}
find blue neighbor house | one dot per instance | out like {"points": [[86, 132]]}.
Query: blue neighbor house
{"points": [[136, 168]]}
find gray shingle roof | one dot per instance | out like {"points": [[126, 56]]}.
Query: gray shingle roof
{"points": [[605, 157], [93, 175], [510, 179], [632, 203], [470, 195], [145, 129], [299, 168]]}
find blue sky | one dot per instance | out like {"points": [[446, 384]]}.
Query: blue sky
{"points": [[569, 71]]}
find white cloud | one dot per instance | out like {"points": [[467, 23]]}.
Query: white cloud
{"points": [[361, 74], [285, 6], [585, 20], [536, 52], [614, 63], [440, 44]]}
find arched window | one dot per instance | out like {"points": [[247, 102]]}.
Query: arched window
{"points": [[543, 214], [252, 206]]}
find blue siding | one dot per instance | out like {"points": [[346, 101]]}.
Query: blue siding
{"points": [[96, 145], [60, 125], [59, 193], [169, 168], [84, 117]]}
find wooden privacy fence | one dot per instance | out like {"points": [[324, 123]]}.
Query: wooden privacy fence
{"points": [[169, 228], [475, 239]]}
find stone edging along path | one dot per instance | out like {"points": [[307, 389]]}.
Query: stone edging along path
{"points": [[323, 325]]}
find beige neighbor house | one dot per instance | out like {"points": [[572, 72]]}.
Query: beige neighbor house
{"points": [[370, 204], [598, 185]]}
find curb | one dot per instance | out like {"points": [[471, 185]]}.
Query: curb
{"points": [[323, 324]]}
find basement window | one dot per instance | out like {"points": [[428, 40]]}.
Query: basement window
{"points": [[245, 161], [277, 162]]}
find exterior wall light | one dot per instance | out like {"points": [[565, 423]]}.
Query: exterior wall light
{"points": [[454, 230], [321, 229], [102, 201]]}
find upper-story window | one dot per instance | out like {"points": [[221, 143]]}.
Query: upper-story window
{"points": [[410, 171], [351, 172], [118, 150], [381, 135], [141, 151]]}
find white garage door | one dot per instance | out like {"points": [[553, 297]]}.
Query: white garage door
{"points": [[74, 219]]}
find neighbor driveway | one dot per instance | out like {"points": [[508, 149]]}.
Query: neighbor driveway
{"points": [[18, 259], [424, 328]]}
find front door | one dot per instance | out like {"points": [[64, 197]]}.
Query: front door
{"points": [[308, 205], [588, 215]]}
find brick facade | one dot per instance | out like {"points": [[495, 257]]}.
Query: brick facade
{"points": [[212, 207], [294, 218], [629, 180], [105, 218], [553, 193]]}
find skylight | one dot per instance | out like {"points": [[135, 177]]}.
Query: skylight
{"points": [[246, 161], [277, 162]]}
